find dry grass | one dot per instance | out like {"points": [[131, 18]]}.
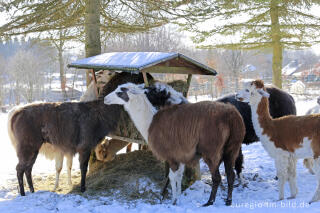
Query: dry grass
{"points": [[129, 177], [132, 176], [46, 182]]}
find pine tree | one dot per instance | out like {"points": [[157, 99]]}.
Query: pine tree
{"points": [[259, 24], [91, 18]]}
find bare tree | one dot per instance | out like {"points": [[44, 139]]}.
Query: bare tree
{"points": [[234, 62], [25, 70], [166, 39], [2, 80]]}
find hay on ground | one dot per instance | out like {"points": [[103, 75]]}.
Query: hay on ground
{"points": [[133, 176]]}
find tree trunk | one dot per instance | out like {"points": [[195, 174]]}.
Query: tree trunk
{"points": [[61, 69], [276, 45], [92, 30], [236, 80]]}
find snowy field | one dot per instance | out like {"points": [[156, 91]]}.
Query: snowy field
{"points": [[259, 195]]}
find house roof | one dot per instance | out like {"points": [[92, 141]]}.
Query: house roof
{"points": [[152, 62]]}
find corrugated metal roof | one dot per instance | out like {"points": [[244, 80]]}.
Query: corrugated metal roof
{"points": [[133, 61]]}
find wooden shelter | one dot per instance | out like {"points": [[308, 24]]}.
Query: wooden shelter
{"points": [[144, 62]]}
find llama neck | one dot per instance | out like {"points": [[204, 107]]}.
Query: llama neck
{"points": [[141, 112], [261, 118], [89, 95]]}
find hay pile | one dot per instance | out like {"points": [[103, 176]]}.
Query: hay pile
{"points": [[129, 177], [179, 85]]}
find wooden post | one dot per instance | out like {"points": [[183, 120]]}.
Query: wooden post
{"points": [[94, 82], [145, 79], [185, 94]]}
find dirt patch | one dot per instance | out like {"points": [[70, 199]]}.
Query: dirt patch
{"points": [[133, 176]]}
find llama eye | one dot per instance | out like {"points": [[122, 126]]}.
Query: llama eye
{"points": [[247, 90]]}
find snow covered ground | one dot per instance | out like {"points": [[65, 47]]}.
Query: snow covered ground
{"points": [[259, 195]]}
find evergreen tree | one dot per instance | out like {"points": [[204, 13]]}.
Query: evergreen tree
{"points": [[259, 24], [93, 17]]}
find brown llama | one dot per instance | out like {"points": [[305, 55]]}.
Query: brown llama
{"points": [[55, 151], [285, 139], [73, 127], [181, 134]]}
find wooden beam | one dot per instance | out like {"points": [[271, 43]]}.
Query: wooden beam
{"points": [[188, 85], [145, 79], [174, 70], [94, 82], [127, 139]]}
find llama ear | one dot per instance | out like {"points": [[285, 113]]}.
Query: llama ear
{"points": [[263, 93], [106, 142]]}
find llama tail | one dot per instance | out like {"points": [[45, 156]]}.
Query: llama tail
{"points": [[9, 126]]}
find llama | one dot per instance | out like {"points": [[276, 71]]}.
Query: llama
{"points": [[59, 147], [308, 163], [285, 139], [181, 134], [103, 77], [280, 104], [52, 152], [107, 150], [74, 127]]}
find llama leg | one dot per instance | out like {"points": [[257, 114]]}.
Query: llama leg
{"points": [[282, 167], [20, 171], [179, 178], [83, 159], [69, 167], [228, 165], [316, 168], [164, 189], [129, 147], [239, 165], [292, 178], [172, 177], [59, 164], [28, 171], [26, 161], [173, 173], [216, 180], [29, 178]]}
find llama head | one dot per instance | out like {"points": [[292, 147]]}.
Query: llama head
{"points": [[252, 92], [161, 94], [102, 151], [124, 94], [103, 77]]}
